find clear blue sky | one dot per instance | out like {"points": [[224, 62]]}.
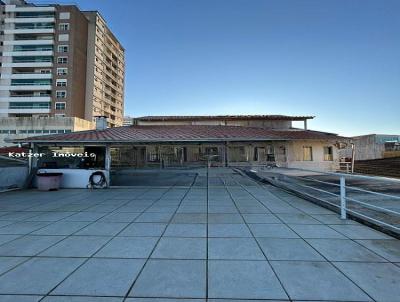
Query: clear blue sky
{"points": [[338, 60]]}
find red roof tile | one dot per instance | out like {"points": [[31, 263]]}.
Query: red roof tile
{"points": [[182, 133], [5, 150], [222, 117]]}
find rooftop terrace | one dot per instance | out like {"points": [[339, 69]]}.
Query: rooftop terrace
{"points": [[191, 238]]}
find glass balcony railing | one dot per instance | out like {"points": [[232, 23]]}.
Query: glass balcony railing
{"points": [[33, 48], [29, 105], [31, 59], [34, 15], [35, 27]]}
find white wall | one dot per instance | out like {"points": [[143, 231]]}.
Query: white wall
{"points": [[295, 156]]}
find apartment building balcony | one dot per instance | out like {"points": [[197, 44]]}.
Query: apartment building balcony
{"points": [[30, 41], [26, 99], [26, 87], [28, 64], [29, 20], [29, 31], [28, 75], [26, 110], [28, 53], [37, 8]]}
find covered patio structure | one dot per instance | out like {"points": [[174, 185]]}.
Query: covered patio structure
{"points": [[184, 146]]}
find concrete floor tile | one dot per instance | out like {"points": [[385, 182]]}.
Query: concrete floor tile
{"points": [[62, 228], [76, 246], [5, 222], [20, 298], [186, 230], [7, 263], [380, 280], [258, 300], [103, 228], [288, 249], [215, 209], [261, 218], [234, 248], [37, 276], [225, 218], [332, 219], [359, 232], [171, 278], [298, 219], [154, 217], [192, 209], [19, 216], [243, 280], [316, 281], [388, 249], [315, 231], [189, 218], [180, 248], [51, 216], [85, 216], [228, 230], [28, 245], [344, 250], [272, 230], [80, 299], [101, 277], [8, 238], [128, 247], [253, 210], [144, 229], [22, 227], [119, 217], [163, 300]]}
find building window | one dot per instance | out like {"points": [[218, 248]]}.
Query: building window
{"points": [[61, 94], [62, 60], [237, 154], [328, 153], [62, 48], [63, 26], [65, 15], [62, 71], [307, 153], [63, 37], [60, 105], [61, 82]]}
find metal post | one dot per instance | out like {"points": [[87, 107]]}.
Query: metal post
{"points": [[353, 154], [343, 214]]}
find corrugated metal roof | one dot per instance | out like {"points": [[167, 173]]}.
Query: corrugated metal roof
{"points": [[188, 133]]}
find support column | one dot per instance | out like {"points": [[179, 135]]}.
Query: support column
{"points": [[107, 164], [108, 159], [226, 159], [33, 162]]}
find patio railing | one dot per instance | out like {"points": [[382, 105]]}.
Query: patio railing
{"points": [[350, 199]]}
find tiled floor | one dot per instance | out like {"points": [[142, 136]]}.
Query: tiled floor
{"points": [[231, 241]]}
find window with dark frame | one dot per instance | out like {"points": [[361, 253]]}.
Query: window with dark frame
{"points": [[307, 153], [328, 153]]}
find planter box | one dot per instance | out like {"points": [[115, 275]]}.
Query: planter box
{"points": [[48, 181]]}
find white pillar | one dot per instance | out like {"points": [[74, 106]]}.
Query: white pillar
{"points": [[108, 159]]}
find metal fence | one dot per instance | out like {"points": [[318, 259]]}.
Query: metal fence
{"points": [[367, 205]]}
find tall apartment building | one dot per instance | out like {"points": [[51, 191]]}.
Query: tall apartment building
{"points": [[58, 61]]}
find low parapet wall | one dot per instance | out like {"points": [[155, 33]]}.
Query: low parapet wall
{"points": [[13, 177]]}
